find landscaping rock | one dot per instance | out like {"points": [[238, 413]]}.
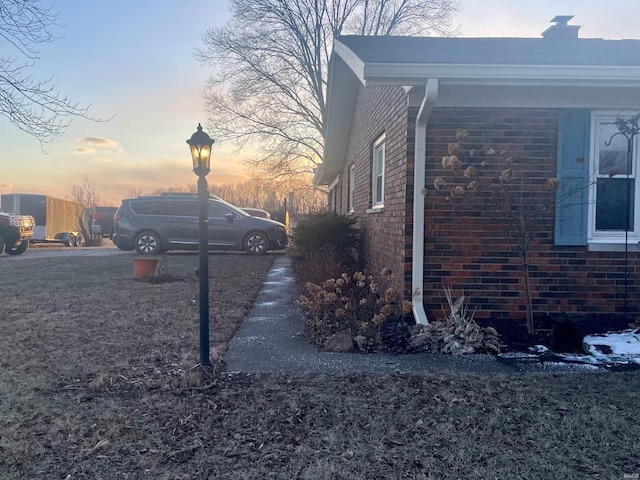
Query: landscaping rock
{"points": [[339, 343]]}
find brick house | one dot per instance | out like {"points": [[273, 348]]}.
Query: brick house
{"points": [[394, 103]]}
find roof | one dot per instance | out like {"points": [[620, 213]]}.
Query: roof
{"points": [[403, 60], [493, 51], [588, 66]]}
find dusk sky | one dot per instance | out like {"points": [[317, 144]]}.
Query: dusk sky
{"points": [[133, 61]]}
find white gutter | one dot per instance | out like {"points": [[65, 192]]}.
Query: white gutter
{"points": [[419, 162]]}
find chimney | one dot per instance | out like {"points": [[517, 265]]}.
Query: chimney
{"points": [[561, 29]]}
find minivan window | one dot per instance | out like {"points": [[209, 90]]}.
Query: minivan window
{"points": [[217, 210], [182, 208], [146, 208]]}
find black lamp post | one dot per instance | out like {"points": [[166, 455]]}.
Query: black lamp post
{"points": [[200, 144]]}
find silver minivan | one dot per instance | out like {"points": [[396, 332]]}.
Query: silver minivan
{"points": [[154, 224]]}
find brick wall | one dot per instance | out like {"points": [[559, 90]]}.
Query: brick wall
{"points": [[380, 110], [468, 248]]}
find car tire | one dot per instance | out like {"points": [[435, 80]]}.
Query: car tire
{"points": [[20, 249], [256, 243], [1, 244], [148, 243], [71, 240]]}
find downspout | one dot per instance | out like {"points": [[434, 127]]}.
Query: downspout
{"points": [[419, 167]]}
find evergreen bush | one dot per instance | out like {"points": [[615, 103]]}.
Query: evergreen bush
{"points": [[324, 246]]}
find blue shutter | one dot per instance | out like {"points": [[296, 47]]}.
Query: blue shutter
{"points": [[573, 172]]}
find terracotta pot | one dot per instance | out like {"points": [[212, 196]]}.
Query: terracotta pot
{"points": [[144, 267]]}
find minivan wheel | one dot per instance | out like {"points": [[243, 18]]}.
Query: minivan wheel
{"points": [[256, 243], [148, 243]]}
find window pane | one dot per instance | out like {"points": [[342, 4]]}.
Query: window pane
{"points": [[613, 157], [612, 208], [377, 174], [218, 211], [352, 185], [379, 189]]}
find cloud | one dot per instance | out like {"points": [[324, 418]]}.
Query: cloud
{"points": [[6, 186], [84, 150], [99, 142], [101, 159]]}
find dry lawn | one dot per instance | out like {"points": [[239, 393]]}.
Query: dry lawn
{"points": [[99, 380]]}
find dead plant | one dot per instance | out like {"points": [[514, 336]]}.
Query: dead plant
{"points": [[457, 334]]}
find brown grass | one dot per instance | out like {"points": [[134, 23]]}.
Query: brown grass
{"points": [[97, 381]]}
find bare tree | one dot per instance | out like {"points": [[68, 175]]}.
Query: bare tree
{"points": [[134, 191], [33, 106], [270, 68], [85, 192], [260, 192]]}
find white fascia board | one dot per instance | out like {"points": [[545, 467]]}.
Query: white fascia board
{"points": [[355, 63], [318, 176], [403, 74]]}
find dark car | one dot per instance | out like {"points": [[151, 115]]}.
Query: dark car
{"points": [[153, 224], [257, 212], [101, 220]]}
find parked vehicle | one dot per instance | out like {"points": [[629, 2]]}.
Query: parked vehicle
{"points": [[15, 232], [153, 224], [56, 220], [257, 212], [101, 220]]}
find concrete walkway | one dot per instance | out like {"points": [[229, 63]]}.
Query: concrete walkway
{"points": [[271, 340]]}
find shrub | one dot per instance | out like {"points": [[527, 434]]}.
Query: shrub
{"points": [[374, 314], [324, 246], [317, 266]]}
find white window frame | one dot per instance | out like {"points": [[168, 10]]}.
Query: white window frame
{"points": [[352, 188], [601, 239], [377, 173], [334, 195]]}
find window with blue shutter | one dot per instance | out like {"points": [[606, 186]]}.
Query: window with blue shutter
{"points": [[614, 216], [573, 172]]}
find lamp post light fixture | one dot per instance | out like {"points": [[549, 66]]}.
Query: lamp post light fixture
{"points": [[200, 144]]}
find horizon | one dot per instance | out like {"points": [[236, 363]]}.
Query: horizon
{"points": [[147, 82]]}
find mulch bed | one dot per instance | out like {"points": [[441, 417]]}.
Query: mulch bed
{"points": [[560, 333]]}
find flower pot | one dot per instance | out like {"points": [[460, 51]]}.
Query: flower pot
{"points": [[144, 267]]}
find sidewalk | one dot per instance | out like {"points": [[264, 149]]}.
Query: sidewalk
{"points": [[271, 340]]}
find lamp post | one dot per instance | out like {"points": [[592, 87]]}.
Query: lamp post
{"points": [[200, 144]]}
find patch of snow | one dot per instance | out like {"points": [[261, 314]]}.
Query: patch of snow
{"points": [[610, 348], [539, 349], [614, 348]]}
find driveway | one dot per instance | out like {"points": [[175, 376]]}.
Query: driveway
{"points": [[49, 250]]}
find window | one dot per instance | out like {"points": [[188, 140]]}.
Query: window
{"points": [[377, 173], [219, 211], [613, 188], [596, 204], [334, 195], [352, 187]]}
